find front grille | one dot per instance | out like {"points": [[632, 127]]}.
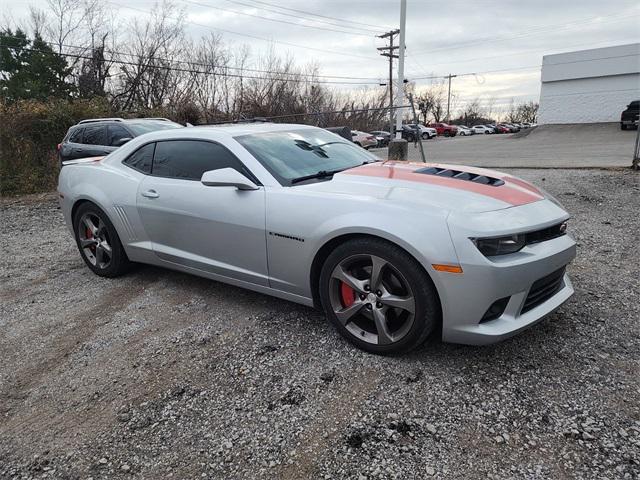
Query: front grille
{"points": [[543, 289], [460, 175], [546, 233]]}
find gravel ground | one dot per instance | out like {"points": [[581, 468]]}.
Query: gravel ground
{"points": [[163, 375]]}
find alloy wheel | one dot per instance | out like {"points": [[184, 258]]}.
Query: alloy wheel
{"points": [[94, 240], [372, 299]]}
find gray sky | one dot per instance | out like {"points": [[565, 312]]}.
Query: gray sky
{"points": [[501, 41]]}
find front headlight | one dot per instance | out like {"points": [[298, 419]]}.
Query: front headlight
{"points": [[491, 247]]}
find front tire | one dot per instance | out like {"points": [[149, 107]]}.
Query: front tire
{"points": [[378, 297], [98, 242]]}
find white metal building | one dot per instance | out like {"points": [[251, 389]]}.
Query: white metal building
{"points": [[589, 86]]}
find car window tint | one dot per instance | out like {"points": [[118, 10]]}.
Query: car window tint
{"points": [[76, 135], [189, 159], [95, 135], [141, 159], [117, 132]]}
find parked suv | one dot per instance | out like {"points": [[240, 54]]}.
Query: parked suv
{"points": [[629, 117], [425, 132], [100, 136], [445, 129]]}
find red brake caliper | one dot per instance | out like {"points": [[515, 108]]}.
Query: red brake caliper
{"points": [[348, 294], [90, 235]]}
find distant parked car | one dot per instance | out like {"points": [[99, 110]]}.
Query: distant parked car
{"points": [[464, 131], [444, 129], [410, 134], [500, 128], [629, 117], [382, 138], [344, 132], [425, 132], [97, 137], [363, 139], [513, 127], [481, 129]]}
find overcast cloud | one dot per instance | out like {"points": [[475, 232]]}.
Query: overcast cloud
{"points": [[502, 42]]}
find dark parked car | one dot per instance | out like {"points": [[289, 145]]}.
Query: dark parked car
{"points": [[101, 136], [382, 137], [410, 133], [629, 117]]}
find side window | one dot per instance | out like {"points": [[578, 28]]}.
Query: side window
{"points": [[95, 135], [189, 159], [141, 159], [76, 136], [116, 132]]}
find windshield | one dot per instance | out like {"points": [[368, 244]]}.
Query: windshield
{"points": [[146, 126], [298, 153]]}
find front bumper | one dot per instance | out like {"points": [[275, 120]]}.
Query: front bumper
{"points": [[466, 297]]}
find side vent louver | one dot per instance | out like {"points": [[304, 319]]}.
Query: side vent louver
{"points": [[470, 177]]}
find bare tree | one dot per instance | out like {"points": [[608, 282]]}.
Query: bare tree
{"points": [[147, 60]]}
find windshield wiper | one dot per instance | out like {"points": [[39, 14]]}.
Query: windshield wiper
{"points": [[320, 174], [327, 173]]}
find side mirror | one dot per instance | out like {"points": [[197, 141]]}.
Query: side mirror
{"points": [[227, 177], [121, 141]]}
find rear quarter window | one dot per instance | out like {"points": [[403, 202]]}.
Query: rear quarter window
{"points": [[75, 135], [141, 159]]}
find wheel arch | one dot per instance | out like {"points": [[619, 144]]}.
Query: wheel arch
{"points": [[325, 250]]}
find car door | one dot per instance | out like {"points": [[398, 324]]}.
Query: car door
{"points": [[220, 230], [95, 141]]}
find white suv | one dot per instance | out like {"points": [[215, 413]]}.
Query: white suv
{"points": [[425, 132]]}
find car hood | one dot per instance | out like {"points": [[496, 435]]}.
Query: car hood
{"points": [[451, 187]]}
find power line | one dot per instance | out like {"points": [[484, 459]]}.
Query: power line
{"points": [[255, 37], [192, 2], [186, 70], [307, 18], [210, 65], [317, 14]]}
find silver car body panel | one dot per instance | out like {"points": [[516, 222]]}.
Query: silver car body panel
{"points": [[267, 239]]}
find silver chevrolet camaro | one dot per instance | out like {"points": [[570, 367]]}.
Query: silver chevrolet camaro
{"points": [[391, 251]]}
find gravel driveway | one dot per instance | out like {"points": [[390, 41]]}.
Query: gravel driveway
{"points": [[163, 375]]}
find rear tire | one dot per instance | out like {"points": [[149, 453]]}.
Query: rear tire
{"points": [[98, 242], [623, 126], [391, 311]]}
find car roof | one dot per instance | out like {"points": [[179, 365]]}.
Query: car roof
{"points": [[236, 129]]}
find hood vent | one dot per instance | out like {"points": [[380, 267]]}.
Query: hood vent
{"points": [[470, 177]]}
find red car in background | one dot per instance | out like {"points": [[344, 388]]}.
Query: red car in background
{"points": [[445, 129], [501, 129]]}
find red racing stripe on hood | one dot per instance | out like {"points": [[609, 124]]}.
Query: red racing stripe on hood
{"points": [[514, 191]]}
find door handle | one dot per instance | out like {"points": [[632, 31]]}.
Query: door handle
{"points": [[150, 194]]}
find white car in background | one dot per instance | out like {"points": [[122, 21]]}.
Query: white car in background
{"points": [[464, 131], [425, 132], [481, 129], [363, 139]]}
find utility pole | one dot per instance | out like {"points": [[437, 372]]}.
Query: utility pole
{"points": [[400, 83], [388, 51], [449, 95]]}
